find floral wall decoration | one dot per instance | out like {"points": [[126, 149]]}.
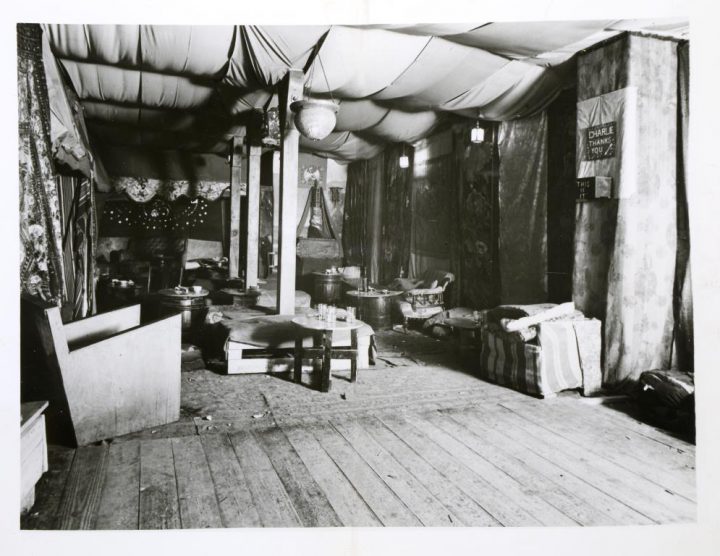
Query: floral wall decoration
{"points": [[144, 189], [177, 217]]}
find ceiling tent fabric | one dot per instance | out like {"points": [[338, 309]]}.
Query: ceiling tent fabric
{"points": [[191, 88]]}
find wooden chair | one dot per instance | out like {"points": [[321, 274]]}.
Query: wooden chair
{"points": [[118, 376]]}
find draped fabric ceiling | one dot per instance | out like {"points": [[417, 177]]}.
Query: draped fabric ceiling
{"points": [[192, 87]]}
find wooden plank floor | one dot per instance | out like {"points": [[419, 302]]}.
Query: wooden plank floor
{"points": [[516, 462]]}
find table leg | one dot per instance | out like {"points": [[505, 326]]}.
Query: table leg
{"points": [[354, 359], [297, 369], [327, 358]]}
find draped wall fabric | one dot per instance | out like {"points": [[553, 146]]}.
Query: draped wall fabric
{"points": [[684, 348], [396, 215], [79, 245], [626, 248], [475, 248], [522, 146], [41, 266], [355, 235]]}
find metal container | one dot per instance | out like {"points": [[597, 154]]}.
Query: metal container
{"points": [[328, 288], [191, 306]]}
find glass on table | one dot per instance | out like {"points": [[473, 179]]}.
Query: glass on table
{"points": [[350, 314]]}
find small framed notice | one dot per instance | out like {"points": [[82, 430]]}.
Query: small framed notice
{"points": [[600, 141]]}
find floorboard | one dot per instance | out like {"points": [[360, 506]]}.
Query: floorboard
{"points": [[467, 511], [80, 501], [543, 512], [490, 498], [421, 502], [120, 502], [271, 499], [615, 512], [383, 502], [196, 491], [647, 498], [159, 507], [612, 447], [237, 507], [345, 500], [309, 501]]}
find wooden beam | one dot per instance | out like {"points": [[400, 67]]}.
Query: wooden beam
{"points": [[276, 203], [253, 217], [292, 90], [236, 191]]}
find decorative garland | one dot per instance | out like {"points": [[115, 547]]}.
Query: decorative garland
{"points": [[159, 215]]}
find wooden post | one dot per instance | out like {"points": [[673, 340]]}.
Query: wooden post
{"points": [[253, 217], [276, 203], [292, 90], [236, 191]]}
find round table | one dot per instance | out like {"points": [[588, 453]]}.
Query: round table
{"points": [[374, 307], [324, 350], [190, 304]]}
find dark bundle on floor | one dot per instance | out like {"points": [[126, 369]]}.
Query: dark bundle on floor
{"points": [[668, 399]]}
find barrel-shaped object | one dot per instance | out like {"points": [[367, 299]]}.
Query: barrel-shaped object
{"points": [[328, 288], [374, 308], [192, 308]]}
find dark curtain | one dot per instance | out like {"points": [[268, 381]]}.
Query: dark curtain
{"points": [[474, 253], [522, 192], [683, 291], [355, 235], [562, 123], [41, 267], [396, 215]]}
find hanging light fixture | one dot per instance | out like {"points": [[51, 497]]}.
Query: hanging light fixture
{"points": [[315, 118], [477, 134], [404, 160]]}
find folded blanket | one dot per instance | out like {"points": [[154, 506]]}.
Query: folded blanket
{"points": [[522, 335]]}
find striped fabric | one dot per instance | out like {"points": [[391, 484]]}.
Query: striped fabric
{"points": [[541, 369]]}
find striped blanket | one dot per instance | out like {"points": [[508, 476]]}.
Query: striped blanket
{"points": [[551, 363]]}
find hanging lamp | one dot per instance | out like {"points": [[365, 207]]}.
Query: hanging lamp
{"points": [[315, 118], [477, 134], [404, 160]]}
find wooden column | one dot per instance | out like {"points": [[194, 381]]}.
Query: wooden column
{"points": [[291, 90], [276, 201], [253, 217], [236, 191]]}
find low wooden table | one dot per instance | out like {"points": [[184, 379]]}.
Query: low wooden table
{"points": [[33, 450], [374, 307], [323, 348]]}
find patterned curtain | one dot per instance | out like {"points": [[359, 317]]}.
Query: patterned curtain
{"points": [[475, 247], [41, 267]]}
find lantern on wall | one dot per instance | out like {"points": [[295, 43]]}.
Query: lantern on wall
{"points": [[315, 118], [404, 160], [477, 134]]}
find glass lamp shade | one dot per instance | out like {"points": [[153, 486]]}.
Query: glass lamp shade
{"points": [[404, 161], [477, 134], [315, 118]]}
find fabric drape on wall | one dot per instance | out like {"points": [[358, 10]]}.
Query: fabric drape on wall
{"points": [[522, 146], [355, 235], [41, 268], [396, 215], [79, 245], [432, 193], [683, 352], [475, 226], [626, 249]]}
